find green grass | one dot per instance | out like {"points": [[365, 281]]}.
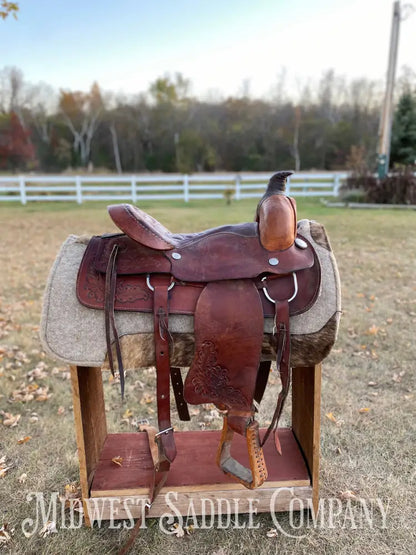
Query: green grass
{"points": [[372, 454]]}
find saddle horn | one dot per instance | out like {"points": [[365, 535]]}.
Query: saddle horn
{"points": [[276, 214]]}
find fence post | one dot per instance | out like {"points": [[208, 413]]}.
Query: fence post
{"points": [[336, 185], [288, 186], [78, 189], [186, 188], [237, 187], [22, 185], [133, 189]]}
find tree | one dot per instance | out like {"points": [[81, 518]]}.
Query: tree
{"points": [[81, 113], [16, 149], [403, 144], [8, 8]]}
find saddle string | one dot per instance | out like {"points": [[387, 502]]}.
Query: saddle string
{"points": [[110, 322], [158, 480], [283, 366]]}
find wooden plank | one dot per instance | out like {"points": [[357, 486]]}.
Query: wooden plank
{"points": [[90, 421], [195, 466], [306, 418], [238, 501]]}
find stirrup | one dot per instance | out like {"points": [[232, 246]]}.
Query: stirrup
{"points": [[252, 477]]}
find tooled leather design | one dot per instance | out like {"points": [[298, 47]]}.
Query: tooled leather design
{"points": [[129, 252], [212, 381], [126, 292]]}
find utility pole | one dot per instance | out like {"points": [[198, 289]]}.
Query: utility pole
{"points": [[387, 110]]}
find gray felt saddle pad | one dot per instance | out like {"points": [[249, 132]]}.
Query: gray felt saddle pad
{"points": [[74, 334]]}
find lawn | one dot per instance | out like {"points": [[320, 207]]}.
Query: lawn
{"points": [[368, 397]]}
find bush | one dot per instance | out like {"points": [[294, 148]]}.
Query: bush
{"points": [[397, 188]]}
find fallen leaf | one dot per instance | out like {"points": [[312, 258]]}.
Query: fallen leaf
{"points": [[3, 467], [364, 410], [128, 413], [5, 534], [372, 384], [22, 478], [373, 330], [177, 530], [146, 399], [331, 417], [24, 439], [348, 494], [397, 378], [10, 420], [117, 460], [49, 528], [72, 490], [272, 533]]}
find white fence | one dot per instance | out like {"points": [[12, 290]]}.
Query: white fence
{"points": [[134, 188]]}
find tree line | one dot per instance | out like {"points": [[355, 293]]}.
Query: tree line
{"points": [[167, 129]]}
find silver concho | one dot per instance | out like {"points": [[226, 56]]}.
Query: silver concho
{"points": [[273, 261], [301, 243]]}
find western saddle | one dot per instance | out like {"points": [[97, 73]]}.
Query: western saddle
{"points": [[229, 278]]}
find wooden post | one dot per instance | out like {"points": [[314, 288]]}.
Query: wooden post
{"points": [[306, 419], [90, 423], [186, 188]]}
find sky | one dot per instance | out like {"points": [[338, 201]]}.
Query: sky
{"points": [[219, 45]]}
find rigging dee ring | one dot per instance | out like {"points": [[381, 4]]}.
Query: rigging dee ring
{"points": [[295, 284], [150, 286]]}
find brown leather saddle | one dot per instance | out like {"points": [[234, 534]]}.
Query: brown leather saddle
{"points": [[229, 278]]}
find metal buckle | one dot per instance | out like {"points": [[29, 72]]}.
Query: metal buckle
{"points": [[295, 284], [165, 431], [150, 286]]}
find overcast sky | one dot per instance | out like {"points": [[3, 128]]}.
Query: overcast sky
{"points": [[218, 44]]}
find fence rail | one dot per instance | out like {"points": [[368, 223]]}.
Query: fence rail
{"points": [[134, 188]]}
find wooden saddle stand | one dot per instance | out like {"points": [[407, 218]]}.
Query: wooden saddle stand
{"points": [[230, 280]]}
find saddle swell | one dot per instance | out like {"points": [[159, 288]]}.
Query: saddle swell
{"points": [[141, 227], [229, 278]]}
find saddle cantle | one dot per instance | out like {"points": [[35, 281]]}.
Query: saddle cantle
{"points": [[229, 278]]}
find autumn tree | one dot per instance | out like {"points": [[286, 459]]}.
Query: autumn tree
{"points": [[81, 113], [16, 149], [8, 8]]}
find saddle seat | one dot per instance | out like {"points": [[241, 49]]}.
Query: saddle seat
{"points": [[146, 230]]}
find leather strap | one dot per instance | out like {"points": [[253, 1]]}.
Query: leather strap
{"points": [[177, 386], [164, 439], [158, 481], [262, 379], [110, 323], [282, 334]]}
